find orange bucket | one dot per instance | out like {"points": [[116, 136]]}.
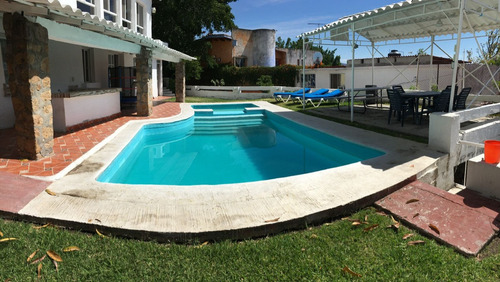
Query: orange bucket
{"points": [[492, 151]]}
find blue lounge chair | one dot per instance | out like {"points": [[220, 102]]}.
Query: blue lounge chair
{"points": [[320, 98], [280, 96]]}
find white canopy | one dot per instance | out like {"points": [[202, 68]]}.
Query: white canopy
{"points": [[410, 19], [414, 19]]}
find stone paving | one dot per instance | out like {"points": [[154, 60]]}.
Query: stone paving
{"points": [[69, 146]]}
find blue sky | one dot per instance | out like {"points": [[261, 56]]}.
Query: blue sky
{"points": [[292, 17]]}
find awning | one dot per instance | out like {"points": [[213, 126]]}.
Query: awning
{"points": [[413, 19], [47, 11]]}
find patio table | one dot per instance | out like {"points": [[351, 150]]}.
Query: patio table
{"points": [[360, 95], [416, 95]]}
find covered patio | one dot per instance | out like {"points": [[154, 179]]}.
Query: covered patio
{"points": [[409, 22]]}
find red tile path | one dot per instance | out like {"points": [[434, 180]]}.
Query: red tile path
{"points": [[466, 221], [69, 146]]}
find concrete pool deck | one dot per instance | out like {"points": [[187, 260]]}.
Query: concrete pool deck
{"points": [[236, 211]]}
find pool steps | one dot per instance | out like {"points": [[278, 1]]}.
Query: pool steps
{"points": [[225, 122]]}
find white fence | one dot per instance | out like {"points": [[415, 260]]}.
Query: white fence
{"points": [[453, 133]]}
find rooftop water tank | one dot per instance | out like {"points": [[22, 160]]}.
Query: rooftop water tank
{"points": [[394, 53]]}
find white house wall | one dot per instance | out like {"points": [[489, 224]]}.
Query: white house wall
{"points": [[66, 67], [386, 75]]}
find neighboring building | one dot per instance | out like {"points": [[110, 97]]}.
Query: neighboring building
{"points": [[386, 71], [56, 61], [246, 48]]}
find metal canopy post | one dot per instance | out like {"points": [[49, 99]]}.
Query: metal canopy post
{"points": [[431, 63], [457, 52], [373, 62], [303, 72], [353, 46]]}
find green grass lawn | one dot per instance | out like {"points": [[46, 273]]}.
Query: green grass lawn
{"points": [[318, 253]]}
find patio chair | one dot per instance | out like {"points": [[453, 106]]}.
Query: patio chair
{"points": [[398, 105], [372, 95], [280, 96], [322, 97], [440, 104], [461, 98], [399, 88]]}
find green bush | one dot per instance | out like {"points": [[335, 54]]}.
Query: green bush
{"points": [[247, 76], [265, 80]]}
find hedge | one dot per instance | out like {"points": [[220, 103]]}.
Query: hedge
{"points": [[248, 76]]}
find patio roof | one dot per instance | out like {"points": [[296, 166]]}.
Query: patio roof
{"points": [[58, 12], [413, 19]]}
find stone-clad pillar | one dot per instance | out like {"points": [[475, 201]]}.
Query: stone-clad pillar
{"points": [[144, 79], [28, 65], [180, 82]]}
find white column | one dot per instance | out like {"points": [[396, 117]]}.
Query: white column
{"points": [[133, 15], [457, 53], [99, 9]]}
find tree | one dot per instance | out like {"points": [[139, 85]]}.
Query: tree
{"points": [[329, 57], [491, 49], [181, 22]]}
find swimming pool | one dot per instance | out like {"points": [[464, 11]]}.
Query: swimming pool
{"points": [[228, 143]]}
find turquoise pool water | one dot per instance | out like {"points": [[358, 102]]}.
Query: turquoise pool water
{"points": [[228, 143]]}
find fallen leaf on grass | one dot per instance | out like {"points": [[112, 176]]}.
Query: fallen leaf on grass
{"points": [[393, 220], [38, 260], [434, 228], [272, 220], [348, 270], [417, 242], [71, 249], [56, 265], [357, 222], [202, 245], [100, 234], [382, 213], [406, 236], [43, 226], [1, 234], [370, 228], [412, 201], [366, 218], [39, 271], [314, 236], [32, 255], [50, 192], [7, 239], [54, 256]]}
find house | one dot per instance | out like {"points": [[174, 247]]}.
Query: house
{"points": [[246, 48], [56, 61]]}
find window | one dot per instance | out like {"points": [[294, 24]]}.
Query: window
{"points": [[126, 11], [88, 65], [86, 6], [240, 61], [112, 61], [109, 10], [140, 18], [335, 80], [310, 80]]}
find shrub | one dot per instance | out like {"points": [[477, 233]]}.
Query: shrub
{"points": [[265, 80]]}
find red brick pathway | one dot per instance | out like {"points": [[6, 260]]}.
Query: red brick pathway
{"points": [[466, 221], [70, 146]]}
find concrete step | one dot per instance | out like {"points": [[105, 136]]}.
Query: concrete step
{"points": [[466, 221]]}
